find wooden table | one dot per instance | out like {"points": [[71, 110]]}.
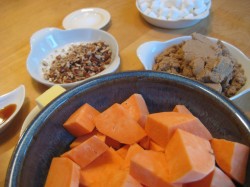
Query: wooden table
{"points": [[229, 20]]}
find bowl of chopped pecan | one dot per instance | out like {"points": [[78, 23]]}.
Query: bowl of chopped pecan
{"points": [[211, 61], [69, 57]]}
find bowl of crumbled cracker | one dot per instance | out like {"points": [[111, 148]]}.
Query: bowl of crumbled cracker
{"points": [[69, 57]]}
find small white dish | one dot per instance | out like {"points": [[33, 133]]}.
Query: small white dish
{"points": [[15, 97], [174, 24], [147, 52], [46, 41], [95, 18]]}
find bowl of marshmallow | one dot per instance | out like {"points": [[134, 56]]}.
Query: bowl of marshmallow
{"points": [[173, 14]]}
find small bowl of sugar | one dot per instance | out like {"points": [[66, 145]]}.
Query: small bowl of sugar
{"points": [[173, 14]]}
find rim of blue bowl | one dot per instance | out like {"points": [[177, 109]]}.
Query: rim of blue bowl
{"points": [[18, 155]]}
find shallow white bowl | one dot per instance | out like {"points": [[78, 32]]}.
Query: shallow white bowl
{"points": [[147, 52], [16, 97], [95, 18], [46, 41], [174, 24]]}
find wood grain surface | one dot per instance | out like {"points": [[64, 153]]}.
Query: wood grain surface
{"points": [[229, 20]]}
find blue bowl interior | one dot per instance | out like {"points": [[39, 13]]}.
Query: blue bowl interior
{"points": [[46, 138]]}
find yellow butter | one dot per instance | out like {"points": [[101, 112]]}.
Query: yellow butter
{"points": [[49, 95]]}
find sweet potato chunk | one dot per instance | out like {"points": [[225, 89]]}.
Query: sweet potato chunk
{"points": [[155, 147], [101, 169], [122, 178], [123, 151], [181, 109], [116, 123], [149, 168], [87, 151], [63, 172], [188, 157], [231, 157], [132, 150], [137, 108], [81, 121], [83, 138], [161, 126], [214, 179]]}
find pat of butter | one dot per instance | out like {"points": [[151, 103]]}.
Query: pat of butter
{"points": [[49, 95]]}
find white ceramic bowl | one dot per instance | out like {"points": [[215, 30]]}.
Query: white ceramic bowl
{"points": [[147, 52], [174, 24], [95, 18], [16, 97], [46, 41]]}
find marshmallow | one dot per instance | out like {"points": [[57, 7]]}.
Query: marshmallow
{"points": [[189, 16], [143, 6], [207, 1], [198, 3], [178, 3], [188, 4], [169, 3], [147, 11], [162, 17], [200, 10], [162, 4], [152, 14], [184, 12], [174, 14], [155, 5], [164, 12]]}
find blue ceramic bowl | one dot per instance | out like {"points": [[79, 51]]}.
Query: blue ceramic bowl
{"points": [[46, 138]]}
